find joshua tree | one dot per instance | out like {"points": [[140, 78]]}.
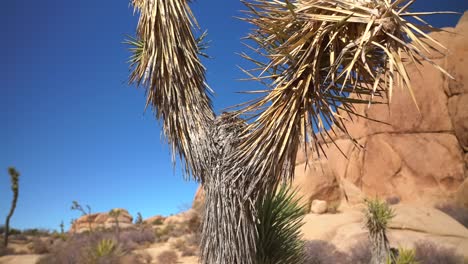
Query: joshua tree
{"points": [[377, 216], [76, 206], [139, 219], [14, 178], [115, 213], [62, 228], [319, 59]]}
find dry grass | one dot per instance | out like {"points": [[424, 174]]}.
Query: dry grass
{"points": [[167, 257]]}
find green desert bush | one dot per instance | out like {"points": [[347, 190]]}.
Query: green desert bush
{"points": [[40, 246], [105, 251], [36, 232], [157, 222], [99, 247], [167, 257], [165, 232], [428, 252], [279, 221]]}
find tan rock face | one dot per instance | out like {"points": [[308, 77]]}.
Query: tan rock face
{"points": [[101, 220]]}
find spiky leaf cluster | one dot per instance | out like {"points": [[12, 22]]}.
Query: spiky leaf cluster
{"points": [[279, 219], [318, 58], [165, 62], [377, 216], [14, 179]]}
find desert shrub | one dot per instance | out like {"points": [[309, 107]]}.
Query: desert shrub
{"points": [[194, 223], [96, 247], [168, 257], [19, 237], [106, 251], [188, 252], [39, 246], [360, 252], [36, 232], [179, 244], [14, 231], [163, 234], [157, 222], [456, 212], [140, 237], [392, 200], [323, 252], [142, 258], [430, 253]]}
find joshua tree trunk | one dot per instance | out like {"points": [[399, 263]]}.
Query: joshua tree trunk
{"points": [[379, 248], [115, 213], [228, 234], [14, 175]]}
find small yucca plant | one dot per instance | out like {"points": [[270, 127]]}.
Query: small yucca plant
{"points": [[279, 221], [377, 216], [105, 249], [405, 256]]}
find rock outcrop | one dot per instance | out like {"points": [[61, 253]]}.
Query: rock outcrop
{"points": [[101, 221]]}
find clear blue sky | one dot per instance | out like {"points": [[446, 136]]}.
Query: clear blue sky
{"points": [[73, 127]]}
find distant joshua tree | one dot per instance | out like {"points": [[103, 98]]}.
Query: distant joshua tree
{"points": [[317, 59], [62, 228], [115, 213], [139, 219], [76, 206], [14, 178]]}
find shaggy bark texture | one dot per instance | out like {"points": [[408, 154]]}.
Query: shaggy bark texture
{"points": [[228, 234]]}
